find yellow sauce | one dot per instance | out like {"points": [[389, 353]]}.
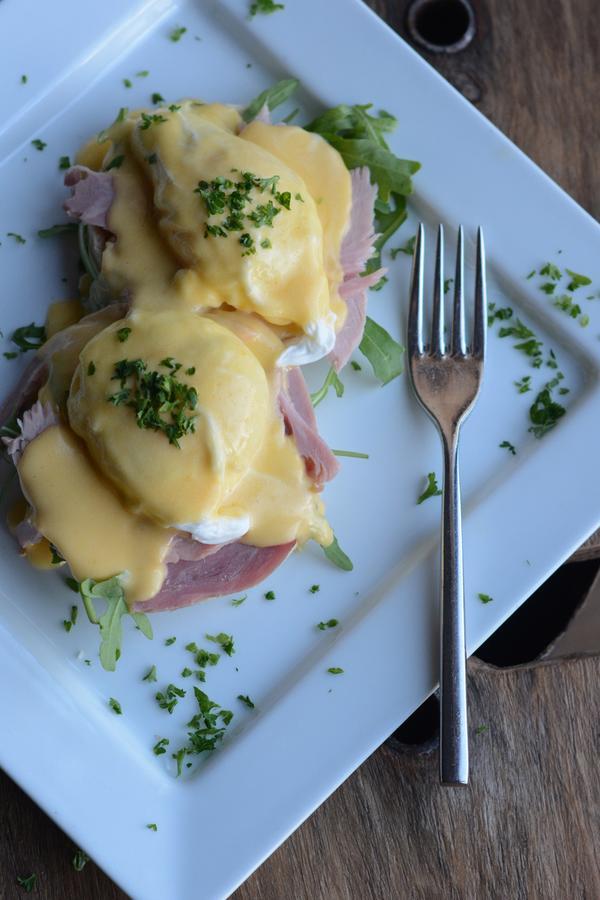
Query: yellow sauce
{"points": [[84, 518], [62, 314]]}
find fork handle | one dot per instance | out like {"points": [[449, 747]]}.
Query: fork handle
{"points": [[454, 747]]}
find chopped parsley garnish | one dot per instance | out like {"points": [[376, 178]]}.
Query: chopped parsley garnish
{"points": [[152, 826], [23, 79], [264, 7], [157, 98], [529, 344], [379, 284], [160, 746], [237, 601], [150, 674], [177, 33], [160, 401], [186, 673], [500, 314], [506, 445], [336, 555], [169, 641], [55, 557], [330, 623], [110, 625], [169, 698], [152, 158], [151, 119], [115, 163], [79, 860], [174, 107], [356, 366], [331, 380], [566, 304], [204, 658], [447, 283], [481, 729], [234, 202], [28, 337], [143, 74], [531, 274], [127, 82], [62, 228], [551, 271], [314, 588], [549, 287], [38, 144], [584, 320], [27, 882], [179, 756], [577, 280], [523, 385], [485, 598], [271, 98], [335, 670], [545, 412], [72, 620], [115, 706], [382, 351], [64, 162], [91, 369], [270, 595], [225, 640], [18, 238], [244, 698], [432, 489]]}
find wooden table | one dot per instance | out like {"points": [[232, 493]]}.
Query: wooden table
{"points": [[533, 70]]}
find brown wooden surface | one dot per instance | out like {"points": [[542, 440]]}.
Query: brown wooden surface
{"points": [[389, 832]]}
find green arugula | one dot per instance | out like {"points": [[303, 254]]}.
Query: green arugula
{"points": [[336, 555], [272, 98], [28, 337], [110, 624], [382, 351], [332, 379]]}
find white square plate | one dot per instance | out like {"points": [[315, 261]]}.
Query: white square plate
{"points": [[94, 772]]}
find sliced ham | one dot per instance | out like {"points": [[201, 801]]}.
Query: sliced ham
{"points": [[33, 422], [92, 195], [357, 248], [185, 548], [37, 370], [300, 421], [234, 567]]}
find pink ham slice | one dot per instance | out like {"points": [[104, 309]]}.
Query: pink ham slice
{"points": [[357, 248], [33, 422], [234, 567], [300, 421], [92, 195]]}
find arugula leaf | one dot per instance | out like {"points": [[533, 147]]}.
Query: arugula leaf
{"points": [[382, 351], [331, 380], [432, 489], [272, 97], [29, 337], [336, 555], [54, 230], [111, 630]]}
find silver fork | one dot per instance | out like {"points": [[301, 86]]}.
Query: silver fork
{"points": [[447, 383]]}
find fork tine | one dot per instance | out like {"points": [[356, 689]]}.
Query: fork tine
{"points": [[458, 323], [415, 311], [437, 328], [479, 324]]}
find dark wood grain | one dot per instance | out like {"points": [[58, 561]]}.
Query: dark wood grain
{"points": [[389, 832]]}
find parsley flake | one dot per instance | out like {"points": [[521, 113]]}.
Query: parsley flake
{"points": [[115, 163], [18, 238], [152, 826], [335, 670], [115, 706], [64, 162], [91, 369], [27, 882], [225, 640], [331, 623], [177, 33], [157, 98], [160, 746], [245, 699], [508, 446], [551, 271], [38, 144], [577, 280], [237, 601], [264, 7], [481, 729], [23, 79], [432, 489], [485, 598], [150, 674], [151, 119], [127, 83], [270, 595], [169, 641], [314, 588]]}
